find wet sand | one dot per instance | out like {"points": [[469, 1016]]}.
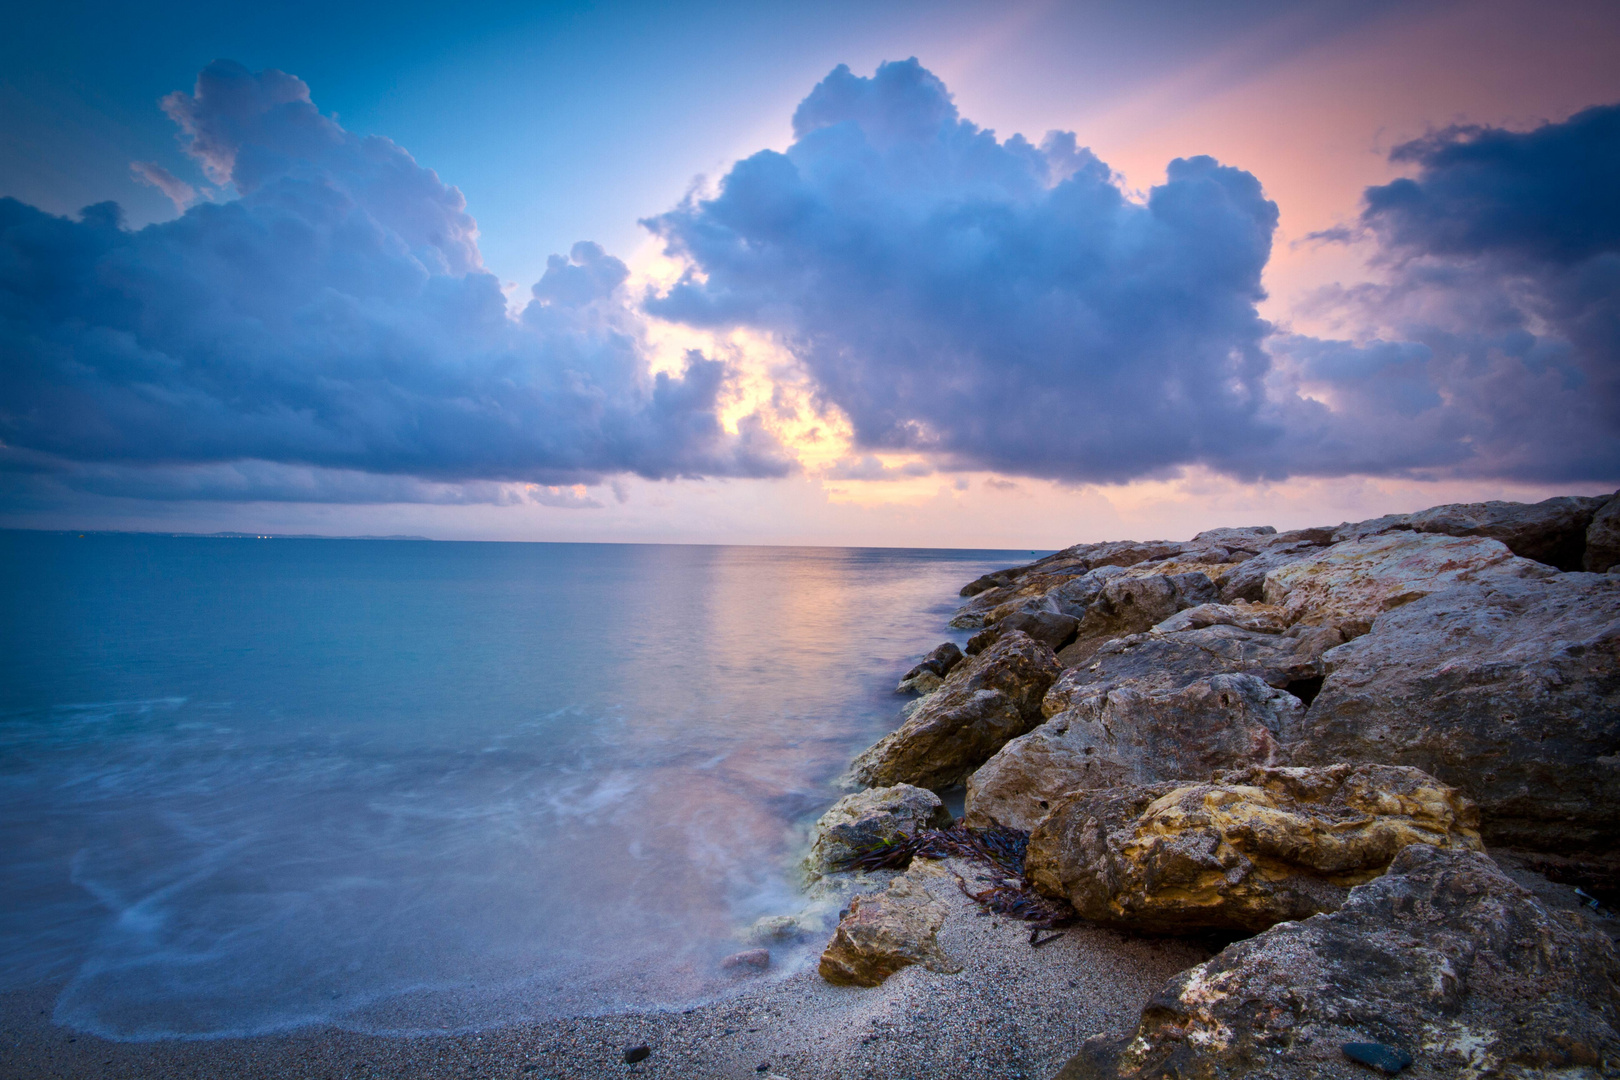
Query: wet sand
{"points": [[1014, 1013]]}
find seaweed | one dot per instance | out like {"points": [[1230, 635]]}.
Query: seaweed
{"points": [[1000, 850]]}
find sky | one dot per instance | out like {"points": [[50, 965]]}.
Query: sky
{"points": [[903, 274]]}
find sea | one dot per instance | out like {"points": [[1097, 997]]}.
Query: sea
{"points": [[406, 787]]}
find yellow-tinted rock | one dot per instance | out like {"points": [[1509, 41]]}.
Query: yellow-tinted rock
{"points": [[1250, 849], [894, 929]]}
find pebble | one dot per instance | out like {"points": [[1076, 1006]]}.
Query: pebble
{"points": [[637, 1053], [1386, 1059]]}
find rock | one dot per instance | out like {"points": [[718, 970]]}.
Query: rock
{"points": [[1247, 580], [1285, 660], [1252, 536], [1603, 538], [894, 929], [637, 1053], [774, 929], [987, 700], [1388, 1060], [1509, 691], [1552, 531], [747, 962], [1260, 618], [1049, 628], [1352, 583], [1250, 849], [930, 673], [1132, 733], [1443, 958], [1130, 604], [868, 818], [1019, 583]]}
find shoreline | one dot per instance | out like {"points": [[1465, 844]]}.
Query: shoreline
{"points": [[1013, 1013], [1050, 689]]}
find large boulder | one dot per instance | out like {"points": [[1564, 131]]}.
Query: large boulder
{"points": [[1350, 584], [1131, 603], [1509, 691], [1443, 959], [1290, 660], [1603, 538], [1245, 851], [893, 929], [987, 700], [1247, 581], [866, 819], [1552, 531], [1137, 732]]}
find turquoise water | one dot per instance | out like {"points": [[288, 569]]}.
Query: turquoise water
{"points": [[412, 786]]}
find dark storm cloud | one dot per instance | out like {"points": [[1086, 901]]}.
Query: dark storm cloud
{"points": [[1004, 305], [1493, 345], [333, 314], [1000, 304]]}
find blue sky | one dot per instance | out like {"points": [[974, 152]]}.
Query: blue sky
{"points": [[1236, 286]]}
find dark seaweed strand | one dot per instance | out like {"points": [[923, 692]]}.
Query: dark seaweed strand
{"points": [[999, 849]]}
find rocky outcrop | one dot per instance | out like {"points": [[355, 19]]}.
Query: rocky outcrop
{"points": [[894, 929], [929, 674], [1509, 691], [987, 700], [1052, 629], [866, 819], [1350, 584], [1286, 660], [1602, 552], [1247, 581], [1138, 732], [996, 595], [1443, 960], [1130, 604], [1243, 852], [1552, 531]]}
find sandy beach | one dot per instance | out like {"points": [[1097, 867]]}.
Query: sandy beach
{"points": [[1013, 1013]]}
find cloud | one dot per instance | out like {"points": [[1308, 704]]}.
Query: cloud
{"points": [[1492, 347], [1002, 305], [332, 315], [870, 467], [998, 304], [175, 189]]}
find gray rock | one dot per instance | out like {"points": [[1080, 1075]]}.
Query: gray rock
{"points": [[1133, 732], [1130, 604], [987, 700], [1006, 589], [1509, 691], [927, 676], [868, 818], [1443, 957], [1603, 538], [1351, 583], [1552, 531], [1049, 628], [1287, 661]]}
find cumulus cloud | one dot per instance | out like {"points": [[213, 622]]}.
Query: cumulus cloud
{"points": [[1003, 305], [999, 304], [332, 315]]}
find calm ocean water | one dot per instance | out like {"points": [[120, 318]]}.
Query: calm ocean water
{"points": [[412, 786]]}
